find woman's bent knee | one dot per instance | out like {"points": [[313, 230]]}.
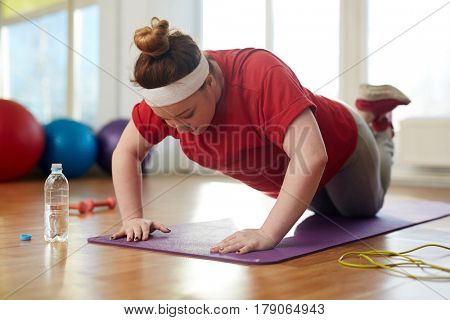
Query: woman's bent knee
{"points": [[366, 210]]}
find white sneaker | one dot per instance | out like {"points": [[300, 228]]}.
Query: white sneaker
{"points": [[372, 93]]}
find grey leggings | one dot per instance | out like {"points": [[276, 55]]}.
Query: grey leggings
{"points": [[358, 189]]}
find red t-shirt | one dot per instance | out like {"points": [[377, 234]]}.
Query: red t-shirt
{"points": [[261, 97]]}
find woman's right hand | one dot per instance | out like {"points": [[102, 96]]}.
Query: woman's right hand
{"points": [[137, 229]]}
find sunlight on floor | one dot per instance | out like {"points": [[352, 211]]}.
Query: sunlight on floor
{"points": [[213, 279], [254, 206]]}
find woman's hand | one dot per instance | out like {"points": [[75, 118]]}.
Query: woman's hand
{"points": [[138, 229], [245, 241]]}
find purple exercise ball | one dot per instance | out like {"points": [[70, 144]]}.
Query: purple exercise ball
{"points": [[107, 139]]}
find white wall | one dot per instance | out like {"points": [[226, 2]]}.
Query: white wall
{"points": [[353, 48], [108, 62]]}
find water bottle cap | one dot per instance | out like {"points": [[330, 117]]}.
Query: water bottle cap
{"points": [[56, 166], [25, 237]]}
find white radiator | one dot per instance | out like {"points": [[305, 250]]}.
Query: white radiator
{"points": [[424, 142]]}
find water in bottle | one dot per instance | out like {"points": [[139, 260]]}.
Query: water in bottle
{"points": [[56, 215]]}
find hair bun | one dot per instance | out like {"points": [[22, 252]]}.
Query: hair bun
{"points": [[153, 40]]}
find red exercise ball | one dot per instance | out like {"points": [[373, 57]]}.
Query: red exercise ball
{"points": [[22, 140]]}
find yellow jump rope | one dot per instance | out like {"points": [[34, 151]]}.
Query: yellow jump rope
{"points": [[410, 261]]}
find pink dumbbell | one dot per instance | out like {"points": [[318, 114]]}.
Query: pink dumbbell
{"points": [[80, 206], [91, 204], [88, 205]]}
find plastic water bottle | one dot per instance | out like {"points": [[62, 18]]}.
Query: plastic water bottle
{"points": [[56, 216]]}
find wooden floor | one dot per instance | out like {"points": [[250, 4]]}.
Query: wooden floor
{"points": [[77, 270]]}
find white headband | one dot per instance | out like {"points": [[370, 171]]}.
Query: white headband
{"points": [[180, 89]]}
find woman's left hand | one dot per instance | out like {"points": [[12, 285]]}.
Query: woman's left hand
{"points": [[245, 241]]}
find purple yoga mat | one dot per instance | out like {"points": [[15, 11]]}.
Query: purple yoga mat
{"points": [[313, 234]]}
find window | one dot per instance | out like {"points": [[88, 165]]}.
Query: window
{"points": [[306, 37], [304, 34], [38, 67], [10, 8], [418, 61], [225, 27], [86, 72]]}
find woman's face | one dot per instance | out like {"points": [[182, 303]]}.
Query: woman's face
{"points": [[194, 113]]}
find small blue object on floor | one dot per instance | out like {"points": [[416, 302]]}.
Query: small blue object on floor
{"points": [[25, 237]]}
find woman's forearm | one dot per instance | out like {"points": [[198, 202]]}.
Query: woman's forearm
{"points": [[127, 179], [296, 193]]}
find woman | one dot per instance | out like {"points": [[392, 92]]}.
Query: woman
{"points": [[244, 113]]}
